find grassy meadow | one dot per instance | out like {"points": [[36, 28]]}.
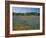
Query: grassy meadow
{"points": [[26, 21]]}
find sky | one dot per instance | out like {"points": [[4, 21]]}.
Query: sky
{"points": [[25, 9]]}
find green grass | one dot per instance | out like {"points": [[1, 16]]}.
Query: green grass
{"points": [[18, 26]]}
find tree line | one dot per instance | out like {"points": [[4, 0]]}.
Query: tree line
{"points": [[26, 14]]}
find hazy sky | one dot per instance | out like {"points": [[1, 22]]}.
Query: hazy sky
{"points": [[25, 9]]}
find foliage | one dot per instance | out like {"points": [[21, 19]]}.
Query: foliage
{"points": [[26, 14]]}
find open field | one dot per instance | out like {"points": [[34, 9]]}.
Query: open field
{"points": [[25, 18], [26, 22]]}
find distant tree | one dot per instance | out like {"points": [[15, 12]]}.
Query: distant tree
{"points": [[14, 13], [38, 14], [27, 13], [32, 13]]}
